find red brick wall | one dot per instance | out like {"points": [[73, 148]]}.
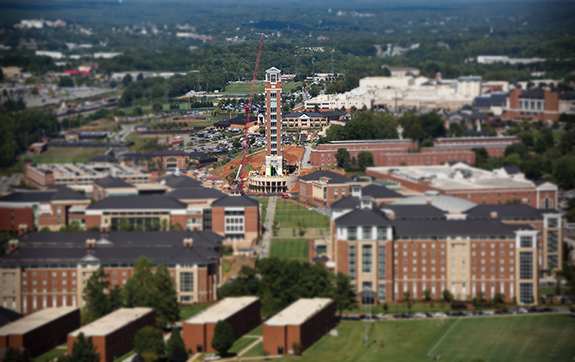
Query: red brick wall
{"points": [[218, 220], [10, 218], [49, 336]]}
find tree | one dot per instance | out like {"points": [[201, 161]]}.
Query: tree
{"points": [[344, 294], [453, 304], [165, 297], [139, 289], [427, 294], [480, 295], [149, 343], [564, 172], [426, 143], [385, 307], [223, 337], [113, 84], [175, 341], [406, 295], [499, 297], [314, 90], [447, 295], [270, 305], [481, 155], [127, 80], [178, 354], [65, 82], [297, 347], [97, 302], [365, 159], [557, 288], [353, 161], [115, 298], [13, 355], [342, 158], [83, 350], [527, 139], [140, 77], [544, 142]]}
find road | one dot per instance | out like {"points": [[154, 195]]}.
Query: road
{"points": [[126, 129], [305, 160]]}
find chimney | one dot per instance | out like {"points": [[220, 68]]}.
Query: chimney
{"points": [[391, 215], [493, 215], [188, 242], [428, 201], [90, 243], [153, 174], [22, 229], [49, 177], [13, 245]]}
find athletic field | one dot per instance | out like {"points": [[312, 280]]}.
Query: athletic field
{"points": [[520, 338]]}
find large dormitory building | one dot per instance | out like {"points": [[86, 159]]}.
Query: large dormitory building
{"points": [[393, 249]]}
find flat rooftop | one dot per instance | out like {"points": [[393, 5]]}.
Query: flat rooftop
{"points": [[112, 322], [222, 310], [451, 178], [35, 320], [299, 312]]}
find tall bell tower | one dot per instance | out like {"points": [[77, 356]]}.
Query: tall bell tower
{"points": [[274, 160]]}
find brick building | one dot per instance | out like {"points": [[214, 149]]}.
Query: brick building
{"points": [[472, 184], [113, 335], [538, 105], [48, 270], [307, 120], [112, 186], [304, 322], [171, 159], [241, 313], [34, 209], [322, 188], [325, 153], [42, 331], [495, 146], [412, 248]]}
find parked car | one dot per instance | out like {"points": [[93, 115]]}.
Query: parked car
{"points": [[381, 316], [419, 315], [488, 312], [440, 315]]}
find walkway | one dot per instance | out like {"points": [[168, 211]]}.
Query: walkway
{"points": [[305, 158], [264, 248]]}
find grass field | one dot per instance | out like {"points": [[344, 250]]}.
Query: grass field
{"points": [[244, 88], [240, 344], [290, 215], [121, 359], [290, 248], [494, 339], [66, 155], [186, 311], [256, 351], [50, 355], [257, 331]]}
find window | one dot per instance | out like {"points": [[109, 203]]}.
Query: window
{"points": [[186, 282], [320, 249], [381, 262], [525, 265], [526, 241], [366, 255], [381, 233], [352, 262], [525, 293], [552, 237], [352, 233], [366, 232], [382, 292], [546, 203], [552, 222], [552, 261]]}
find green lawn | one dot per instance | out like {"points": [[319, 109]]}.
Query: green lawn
{"points": [[124, 356], [257, 331], [66, 155], [244, 88], [186, 311], [240, 344], [290, 248], [494, 339], [50, 355], [290, 215], [256, 351]]}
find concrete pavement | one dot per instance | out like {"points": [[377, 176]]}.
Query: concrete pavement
{"points": [[305, 159], [264, 248]]}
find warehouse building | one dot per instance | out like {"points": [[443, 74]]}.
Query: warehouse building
{"points": [[303, 322], [242, 314], [41, 331], [113, 335]]}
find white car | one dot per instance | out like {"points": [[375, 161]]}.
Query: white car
{"points": [[381, 316], [521, 310], [440, 315], [419, 315], [488, 312]]}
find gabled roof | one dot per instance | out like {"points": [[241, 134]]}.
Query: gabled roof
{"points": [[137, 202], [504, 211], [236, 201], [380, 192], [169, 153], [179, 182], [346, 203], [28, 196], [68, 194], [8, 316], [442, 228], [199, 193], [363, 217], [335, 177], [112, 182], [415, 211], [443, 202]]}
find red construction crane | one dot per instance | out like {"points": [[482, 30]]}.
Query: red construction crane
{"points": [[246, 142]]}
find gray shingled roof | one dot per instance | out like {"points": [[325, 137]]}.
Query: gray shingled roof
{"points": [[335, 177], [415, 211], [112, 182], [169, 153], [504, 211], [203, 193], [236, 201], [345, 203], [28, 196], [137, 202], [450, 228], [380, 192], [115, 247], [363, 217], [179, 182], [8, 316]]}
